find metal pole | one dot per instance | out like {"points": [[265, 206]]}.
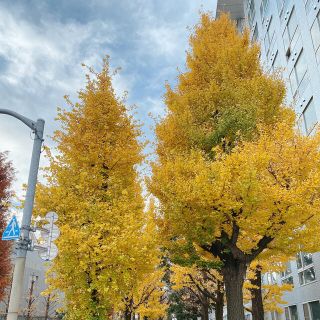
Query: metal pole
{"points": [[23, 243]]}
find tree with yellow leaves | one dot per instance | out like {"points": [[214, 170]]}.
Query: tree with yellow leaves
{"points": [[146, 296], [263, 193], [233, 176], [268, 297], [93, 185], [265, 296], [204, 284]]}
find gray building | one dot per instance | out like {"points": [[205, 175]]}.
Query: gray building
{"points": [[289, 34], [34, 303]]}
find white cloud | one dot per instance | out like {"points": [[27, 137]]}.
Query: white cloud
{"points": [[50, 52], [155, 106], [162, 41], [44, 63], [43, 59]]}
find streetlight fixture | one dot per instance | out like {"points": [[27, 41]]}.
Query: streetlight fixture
{"points": [[23, 244]]}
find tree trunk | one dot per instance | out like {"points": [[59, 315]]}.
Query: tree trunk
{"points": [[205, 311], [219, 303], [234, 272], [127, 315], [256, 296], [30, 302], [47, 308]]}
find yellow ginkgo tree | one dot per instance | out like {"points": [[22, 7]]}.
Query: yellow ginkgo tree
{"points": [[205, 285], [147, 295], [93, 185], [260, 295], [264, 193], [233, 176]]}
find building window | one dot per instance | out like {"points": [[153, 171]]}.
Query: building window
{"points": [[306, 276], [291, 31], [274, 65], [286, 276], [255, 34], [269, 36], [282, 6], [305, 268], [304, 259], [275, 315], [308, 4], [311, 310], [309, 116], [315, 34], [271, 278], [240, 23], [298, 75], [279, 4], [264, 8], [291, 313], [251, 12]]}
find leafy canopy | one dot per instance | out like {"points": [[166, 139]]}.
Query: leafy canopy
{"points": [[93, 185]]}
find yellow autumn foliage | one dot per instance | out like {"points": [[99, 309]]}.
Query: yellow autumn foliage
{"points": [[195, 278], [223, 93], [232, 175], [105, 247], [268, 187], [272, 290]]}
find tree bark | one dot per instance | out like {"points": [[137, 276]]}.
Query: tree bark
{"points": [[234, 272], [219, 304], [205, 311], [127, 315], [30, 302], [47, 308], [256, 296]]}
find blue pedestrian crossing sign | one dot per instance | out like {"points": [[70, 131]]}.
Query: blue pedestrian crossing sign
{"points": [[12, 231]]}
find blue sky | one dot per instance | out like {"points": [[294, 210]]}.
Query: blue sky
{"points": [[43, 43]]}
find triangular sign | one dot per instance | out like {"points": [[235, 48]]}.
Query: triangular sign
{"points": [[12, 231]]}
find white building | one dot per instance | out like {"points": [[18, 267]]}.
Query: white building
{"points": [[289, 34]]}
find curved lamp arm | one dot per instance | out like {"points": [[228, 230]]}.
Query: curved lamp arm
{"points": [[31, 124]]}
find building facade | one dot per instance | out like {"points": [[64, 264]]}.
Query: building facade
{"points": [[289, 35], [34, 304]]}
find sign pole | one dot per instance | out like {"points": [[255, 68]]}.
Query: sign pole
{"points": [[23, 243]]}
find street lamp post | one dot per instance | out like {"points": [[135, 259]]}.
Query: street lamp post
{"points": [[23, 243]]}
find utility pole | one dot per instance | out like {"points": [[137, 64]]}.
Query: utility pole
{"points": [[23, 244]]}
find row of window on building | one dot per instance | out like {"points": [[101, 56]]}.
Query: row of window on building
{"points": [[293, 48], [306, 273], [311, 311], [282, 6]]}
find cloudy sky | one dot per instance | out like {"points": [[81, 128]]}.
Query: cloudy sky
{"points": [[43, 43]]}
